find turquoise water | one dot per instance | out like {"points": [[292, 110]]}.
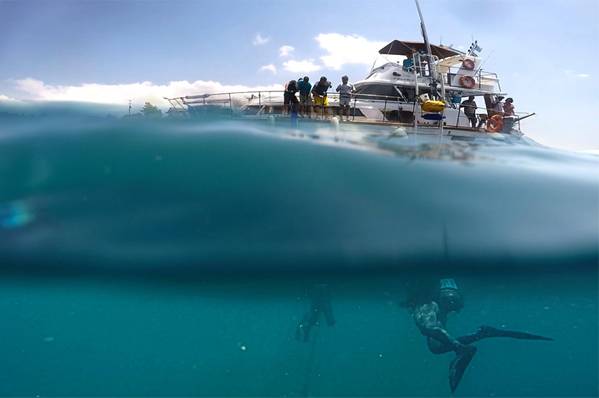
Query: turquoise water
{"points": [[176, 258]]}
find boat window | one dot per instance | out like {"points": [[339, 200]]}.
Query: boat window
{"points": [[403, 98], [384, 90], [410, 93]]}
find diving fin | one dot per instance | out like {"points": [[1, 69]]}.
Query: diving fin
{"points": [[458, 367], [489, 331]]}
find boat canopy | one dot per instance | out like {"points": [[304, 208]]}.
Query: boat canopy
{"points": [[407, 48]]}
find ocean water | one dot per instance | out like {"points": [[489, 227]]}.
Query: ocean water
{"points": [[177, 257]]}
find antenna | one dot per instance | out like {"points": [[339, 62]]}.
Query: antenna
{"points": [[423, 29], [431, 71]]}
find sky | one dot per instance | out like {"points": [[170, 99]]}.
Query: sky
{"points": [[546, 52]]}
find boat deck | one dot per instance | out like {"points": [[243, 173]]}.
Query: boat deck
{"points": [[269, 105]]}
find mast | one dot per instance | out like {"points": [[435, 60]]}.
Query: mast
{"points": [[432, 71]]}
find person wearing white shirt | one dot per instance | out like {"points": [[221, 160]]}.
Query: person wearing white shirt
{"points": [[345, 91], [498, 106]]}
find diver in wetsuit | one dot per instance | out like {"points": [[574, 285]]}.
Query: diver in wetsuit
{"points": [[431, 316], [320, 304]]}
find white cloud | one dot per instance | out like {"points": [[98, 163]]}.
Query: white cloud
{"points": [[139, 92], [570, 73], [302, 66], [285, 51], [4, 98], [347, 49], [259, 40], [270, 67]]}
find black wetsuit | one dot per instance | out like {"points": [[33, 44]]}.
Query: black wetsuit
{"points": [[470, 111], [289, 95]]}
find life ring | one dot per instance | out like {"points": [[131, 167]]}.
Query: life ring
{"points": [[495, 124], [468, 64], [467, 82]]}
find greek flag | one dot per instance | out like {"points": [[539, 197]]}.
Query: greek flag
{"points": [[474, 49]]}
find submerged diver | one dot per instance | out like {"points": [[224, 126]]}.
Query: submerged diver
{"points": [[320, 303], [430, 315]]}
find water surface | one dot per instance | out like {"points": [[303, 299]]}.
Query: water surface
{"points": [[177, 257]]}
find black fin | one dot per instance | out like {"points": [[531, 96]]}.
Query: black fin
{"points": [[458, 367], [489, 331]]}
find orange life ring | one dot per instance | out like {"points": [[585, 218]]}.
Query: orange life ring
{"points": [[495, 124], [467, 81], [468, 64]]}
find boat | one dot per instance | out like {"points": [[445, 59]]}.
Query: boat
{"points": [[419, 88]]}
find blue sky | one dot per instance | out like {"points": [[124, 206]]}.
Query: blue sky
{"points": [[545, 52]]}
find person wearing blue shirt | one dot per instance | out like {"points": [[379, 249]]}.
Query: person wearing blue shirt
{"points": [[304, 88], [408, 64]]}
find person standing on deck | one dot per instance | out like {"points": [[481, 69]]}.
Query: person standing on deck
{"points": [[408, 63], [498, 106], [305, 87], [289, 98], [470, 110], [345, 91], [508, 107], [319, 92]]}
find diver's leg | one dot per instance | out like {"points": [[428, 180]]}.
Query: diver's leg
{"points": [[303, 328], [310, 319], [440, 342], [302, 332], [470, 338], [437, 347], [327, 308]]}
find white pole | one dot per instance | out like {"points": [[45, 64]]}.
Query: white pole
{"points": [[426, 42]]}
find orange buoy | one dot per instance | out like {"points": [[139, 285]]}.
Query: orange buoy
{"points": [[467, 81], [468, 64], [495, 124]]}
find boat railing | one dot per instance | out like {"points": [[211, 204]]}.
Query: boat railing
{"points": [[483, 114], [485, 81], [272, 102]]}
